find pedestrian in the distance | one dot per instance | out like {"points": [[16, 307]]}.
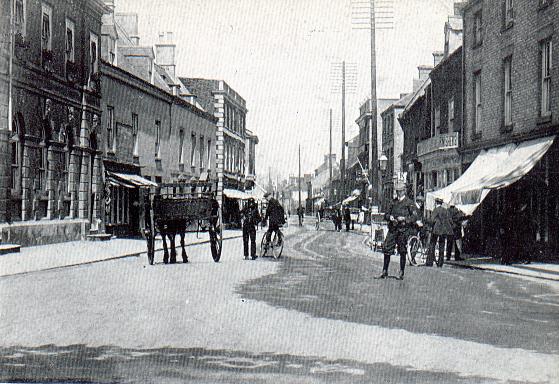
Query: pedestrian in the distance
{"points": [[347, 218], [442, 232], [251, 218]]}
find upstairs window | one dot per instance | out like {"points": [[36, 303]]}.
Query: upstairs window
{"points": [[181, 146], [477, 102], [110, 129], [46, 30], [19, 17], [508, 8], [507, 88], [157, 139], [93, 53], [546, 66], [70, 50], [135, 134], [209, 153], [451, 115], [437, 121], [202, 155], [193, 150], [478, 28]]}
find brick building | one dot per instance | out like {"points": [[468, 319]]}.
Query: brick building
{"points": [[219, 99], [152, 129], [54, 173], [511, 117]]}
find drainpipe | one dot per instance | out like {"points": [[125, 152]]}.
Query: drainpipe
{"points": [[10, 66]]}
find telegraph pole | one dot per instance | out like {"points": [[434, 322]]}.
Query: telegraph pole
{"points": [[299, 185], [342, 161], [330, 159], [373, 155]]}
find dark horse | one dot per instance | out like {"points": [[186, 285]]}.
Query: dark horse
{"points": [[169, 229]]}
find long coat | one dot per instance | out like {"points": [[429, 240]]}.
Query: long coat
{"points": [[442, 222]]}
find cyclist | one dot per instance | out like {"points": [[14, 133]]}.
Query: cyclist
{"points": [[275, 215]]}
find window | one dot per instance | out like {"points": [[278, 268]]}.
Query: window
{"points": [[202, 155], [508, 12], [209, 151], [70, 50], [157, 139], [451, 115], [437, 122], [193, 150], [507, 91], [478, 28], [43, 161], [135, 134], [477, 102], [19, 17], [15, 143], [110, 129], [93, 53], [181, 146], [546, 65], [46, 30]]}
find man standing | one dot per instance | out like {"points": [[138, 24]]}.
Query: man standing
{"points": [[251, 218], [274, 214], [455, 242], [347, 218], [442, 232], [400, 216]]}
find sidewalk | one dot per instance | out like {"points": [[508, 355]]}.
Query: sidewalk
{"points": [[51, 256]]}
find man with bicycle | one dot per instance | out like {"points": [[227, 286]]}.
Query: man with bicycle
{"points": [[275, 216], [401, 216]]}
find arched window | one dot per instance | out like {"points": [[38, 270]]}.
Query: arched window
{"points": [[43, 156]]}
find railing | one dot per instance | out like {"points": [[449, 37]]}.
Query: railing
{"points": [[436, 143]]}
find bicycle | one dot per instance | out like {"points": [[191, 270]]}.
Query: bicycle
{"points": [[275, 244], [417, 252]]}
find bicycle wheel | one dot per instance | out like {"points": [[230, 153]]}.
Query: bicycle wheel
{"points": [[412, 247], [263, 246], [277, 245]]}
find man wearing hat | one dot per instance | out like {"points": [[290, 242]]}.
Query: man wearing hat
{"points": [[442, 232], [251, 218], [274, 214], [401, 215]]}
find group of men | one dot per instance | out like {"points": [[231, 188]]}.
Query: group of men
{"points": [[250, 215], [403, 216]]}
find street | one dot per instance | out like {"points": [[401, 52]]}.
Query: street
{"points": [[315, 316]]}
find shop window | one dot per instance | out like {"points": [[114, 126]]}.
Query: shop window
{"points": [[545, 85]]}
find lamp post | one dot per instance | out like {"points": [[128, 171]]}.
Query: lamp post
{"points": [[382, 164]]}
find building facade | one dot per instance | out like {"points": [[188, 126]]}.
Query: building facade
{"points": [[54, 98], [511, 100], [152, 130]]}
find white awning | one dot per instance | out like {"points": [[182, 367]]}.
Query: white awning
{"points": [[349, 200], [492, 169], [236, 194], [129, 180]]}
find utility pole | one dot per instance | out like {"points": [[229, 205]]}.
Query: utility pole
{"points": [[330, 159], [299, 185], [342, 161]]}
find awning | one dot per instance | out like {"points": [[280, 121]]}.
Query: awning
{"points": [[236, 194], [492, 169], [349, 200], [319, 201], [129, 180]]}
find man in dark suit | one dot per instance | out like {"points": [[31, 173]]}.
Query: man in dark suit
{"points": [[401, 216], [251, 218], [442, 232], [275, 216]]}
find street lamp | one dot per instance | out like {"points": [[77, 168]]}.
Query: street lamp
{"points": [[383, 162]]}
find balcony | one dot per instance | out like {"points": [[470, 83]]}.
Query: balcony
{"points": [[437, 143]]}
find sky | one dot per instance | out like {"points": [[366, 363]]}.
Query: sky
{"points": [[281, 57]]}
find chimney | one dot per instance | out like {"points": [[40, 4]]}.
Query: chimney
{"points": [[129, 22], [165, 53], [437, 57], [424, 71]]}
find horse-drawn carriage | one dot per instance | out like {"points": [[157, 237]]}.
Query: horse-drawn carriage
{"points": [[179, 208]]}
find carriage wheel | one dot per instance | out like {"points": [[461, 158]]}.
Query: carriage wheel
{"points": [[416, 252], [216, 238]]}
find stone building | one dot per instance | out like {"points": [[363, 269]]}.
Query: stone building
{"points": [[51, 126], [153, 131], [511, 118]]}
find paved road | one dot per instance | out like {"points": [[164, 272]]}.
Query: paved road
{"points": [[316, 316]]}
